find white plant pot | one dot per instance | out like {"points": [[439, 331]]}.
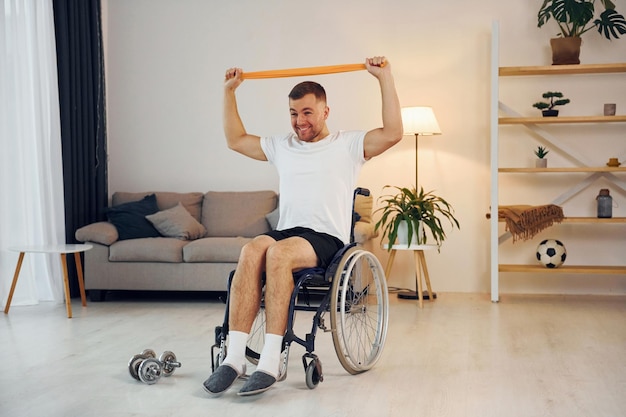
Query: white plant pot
{"points": [[403, 233], [541, 163]]}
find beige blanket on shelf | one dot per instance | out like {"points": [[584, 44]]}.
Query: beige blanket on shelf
{"points": [[524, 221]]}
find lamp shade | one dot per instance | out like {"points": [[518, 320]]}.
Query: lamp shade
{"points": [[420, 120]]}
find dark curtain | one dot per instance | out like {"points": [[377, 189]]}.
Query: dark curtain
{"points": [[80, 65]]}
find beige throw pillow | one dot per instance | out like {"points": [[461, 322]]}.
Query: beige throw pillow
{"points": [[177, 222]]}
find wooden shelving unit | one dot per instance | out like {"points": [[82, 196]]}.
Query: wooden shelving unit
{"points": [[588, 173], [560, 120], [563, 69], [594, 220], [565, 269], [589, 220], [562, 169]]}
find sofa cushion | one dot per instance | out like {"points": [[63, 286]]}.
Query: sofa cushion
{"points": [[237, 213], [214, 249], [161, 249], [177, 222], [130, 218], [100, 232], [165, 200]]}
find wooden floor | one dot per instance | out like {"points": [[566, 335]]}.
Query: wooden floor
{"points": [[460, 356]]}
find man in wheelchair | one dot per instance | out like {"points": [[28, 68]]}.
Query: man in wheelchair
{"points": [[318, 171]]}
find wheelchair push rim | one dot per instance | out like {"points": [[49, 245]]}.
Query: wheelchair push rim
{"points": [[359, 310]]}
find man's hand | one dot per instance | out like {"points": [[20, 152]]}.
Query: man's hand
{"points": [[233, 79], [377, 66]]}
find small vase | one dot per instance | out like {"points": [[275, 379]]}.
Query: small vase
{"points": [[541, 163], [403, 233]]}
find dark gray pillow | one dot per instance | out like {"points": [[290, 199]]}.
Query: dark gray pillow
{"points": [[130, 218]]}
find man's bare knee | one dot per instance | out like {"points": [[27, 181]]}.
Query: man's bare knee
{"points": [[252, 256], [290, 255]]}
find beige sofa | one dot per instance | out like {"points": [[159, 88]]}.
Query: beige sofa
{"points": [[189, 241]]}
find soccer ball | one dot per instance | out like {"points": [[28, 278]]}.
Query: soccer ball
{"points": [[551, 253]]}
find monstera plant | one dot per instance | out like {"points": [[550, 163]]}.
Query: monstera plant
{"points": [[574, 18]]}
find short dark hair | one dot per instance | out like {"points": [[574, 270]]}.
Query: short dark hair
{"points": [[308, 87]]}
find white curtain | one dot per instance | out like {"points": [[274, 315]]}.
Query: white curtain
{"points": [[31, 172]]}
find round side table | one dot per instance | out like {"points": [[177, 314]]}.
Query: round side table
{"points": [[63, 250], [420, 266]]}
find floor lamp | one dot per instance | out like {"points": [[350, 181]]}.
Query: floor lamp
{"points": [[418, 121]]}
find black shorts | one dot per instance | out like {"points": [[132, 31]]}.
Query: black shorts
{"points": [[324, 245]]}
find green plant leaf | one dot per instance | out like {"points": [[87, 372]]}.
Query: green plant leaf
{"points": [[574, 17]]}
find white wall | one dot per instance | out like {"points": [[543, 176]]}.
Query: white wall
{"points": [[165, 64]]}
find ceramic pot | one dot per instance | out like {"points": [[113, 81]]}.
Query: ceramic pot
{"points": [[541, 163], [403, 233], [565, 51]]}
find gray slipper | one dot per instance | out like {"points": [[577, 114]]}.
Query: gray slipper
{"points": [[258, 382], [222, 379]]}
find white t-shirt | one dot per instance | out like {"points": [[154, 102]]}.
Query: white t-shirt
{"points": [[317, 180]]}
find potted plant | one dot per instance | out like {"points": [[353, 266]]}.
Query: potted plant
{"points": [[541, 153], [413, 208], [547, 109], [575, 17]]}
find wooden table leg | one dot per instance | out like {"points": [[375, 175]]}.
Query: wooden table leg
{"points": [[392, 256], [66, 282], [426, 276], [419, 278], [20, 259], [81, 282]]}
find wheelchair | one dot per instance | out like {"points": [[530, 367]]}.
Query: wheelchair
{"points": [[353, 292]]}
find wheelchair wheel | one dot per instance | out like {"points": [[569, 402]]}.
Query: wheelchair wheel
{"points": [[256, 338], [359, 310]]}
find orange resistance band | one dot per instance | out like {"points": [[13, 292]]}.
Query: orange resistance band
{"points": [[299, 72]]}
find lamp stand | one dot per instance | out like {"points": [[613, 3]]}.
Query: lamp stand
{"points": [[412, 295], [416, 161]]}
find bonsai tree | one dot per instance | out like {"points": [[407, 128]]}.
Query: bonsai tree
{"points": [[548, 107], [541, 152], [574, 17], [412, 206]]}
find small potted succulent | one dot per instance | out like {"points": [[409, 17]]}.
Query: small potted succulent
{"points": [[548, 109], [541, 153], [416, 211], [575, 17]]}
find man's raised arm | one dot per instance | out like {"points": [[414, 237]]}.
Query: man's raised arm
{"points": [[236, 136], [379, 140]]}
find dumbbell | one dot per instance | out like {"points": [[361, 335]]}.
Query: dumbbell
{"points": [[145, 367]]}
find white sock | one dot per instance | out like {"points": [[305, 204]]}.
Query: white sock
{"points": [[236, 353], [270, 355]]}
